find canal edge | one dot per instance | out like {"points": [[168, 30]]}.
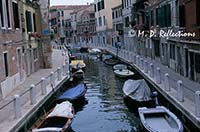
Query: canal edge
{"points": [[22, 123]]}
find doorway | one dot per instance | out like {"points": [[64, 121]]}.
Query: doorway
{"points": [[19, 58], [192, 68]]}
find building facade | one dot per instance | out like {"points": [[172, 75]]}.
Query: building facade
{"points": [[60, 17], [86, 25], [127, 14], [104, 24], [117, 34], [166, 18], [19, 37]]}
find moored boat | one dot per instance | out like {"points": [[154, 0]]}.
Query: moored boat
{"points": [[84, 49], [123, 73], [106, 56], [119, 66], [75, 65], [111, 61], [78, 76], [159, 119], [75, 93], [138, 94], [94, 51], [59, 119]]}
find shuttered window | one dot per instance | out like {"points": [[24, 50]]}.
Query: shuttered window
{"points": [[127, 22], [1, 13], [102, 4], [182, 15], [95, 7], [16, 15], [8, 13], [28, 21], [34, 22], [157, 22], [152, 18], [5, 55], [168, 15], [99, 6]]}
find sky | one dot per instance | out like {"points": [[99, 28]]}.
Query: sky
{"points": [[70, 2]]}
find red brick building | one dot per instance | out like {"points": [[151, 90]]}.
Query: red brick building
{"points": [[20, 49], [11, 52], [86, 25]]}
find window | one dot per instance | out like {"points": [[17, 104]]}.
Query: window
{"points": [[172, 51], [198, 12], [28, 22], [35, 54], [177, 14], [152, 18], [168, 15], [100, 21], [95, 7], [124, 3], [113, 15], [104, 20], [102, 4], [1, 14], [16, 14], [182, 15], [157, 22], [8, 13], [62, 12], [34, 22], [5, 56], [127, 22], [99, 6]]}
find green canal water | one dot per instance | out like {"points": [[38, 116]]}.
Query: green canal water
{"points": [[104, 110]]}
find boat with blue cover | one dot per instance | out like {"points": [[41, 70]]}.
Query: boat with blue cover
{"points": [[75, 93]]}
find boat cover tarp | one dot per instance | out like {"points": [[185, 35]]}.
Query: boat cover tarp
{"points": [[107, 57], [119, 66], [62, 110], [96, 50], [137, 90], [75, 63], [74, 92]]}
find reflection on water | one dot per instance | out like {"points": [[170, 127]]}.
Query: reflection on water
{"points": [[104, 110]]}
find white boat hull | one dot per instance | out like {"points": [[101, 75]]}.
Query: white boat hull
{"points": [[159, 119], [123, 73]]}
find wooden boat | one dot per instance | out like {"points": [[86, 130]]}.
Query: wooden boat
{"points": [[123, 73], [111, 61], [75, 93], [119, 66], [59, 119], [159, 119], [138, 94], [75, 65]]}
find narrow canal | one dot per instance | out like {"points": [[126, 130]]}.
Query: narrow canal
{"points": [[104, 110]]}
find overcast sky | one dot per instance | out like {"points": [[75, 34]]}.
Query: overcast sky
{"points": [[70, 2]]}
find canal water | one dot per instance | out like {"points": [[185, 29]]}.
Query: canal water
{"points": [[104, 109]]}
